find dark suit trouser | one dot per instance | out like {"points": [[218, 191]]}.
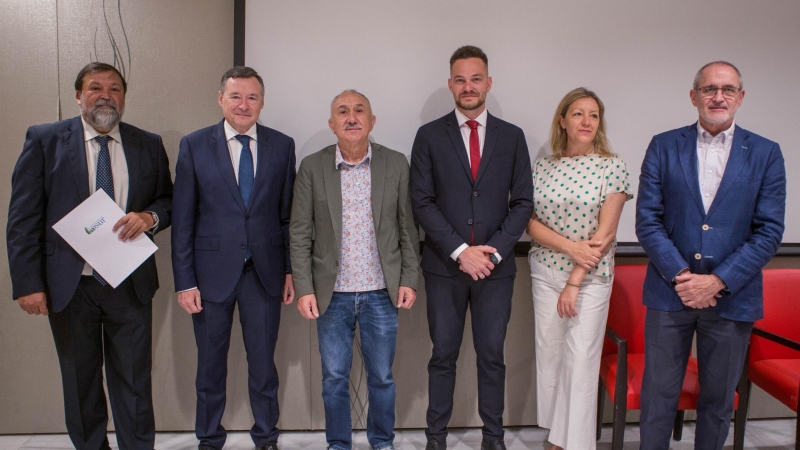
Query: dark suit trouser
{"points": [[721, 350], [101, 323], [489, 302], [259, 314]]}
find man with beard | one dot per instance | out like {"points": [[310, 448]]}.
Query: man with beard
{"points": [[61, 165], [472, 194], [712, 198]]}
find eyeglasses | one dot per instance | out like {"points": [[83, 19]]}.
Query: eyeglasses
{"points": [[711, 91]]}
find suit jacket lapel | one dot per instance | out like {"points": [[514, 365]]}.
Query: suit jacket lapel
{"points": [[458, 143], [76, 148], [687, 155], [378, 180], [333, 191], [740, 149], [219, 146], [488, 145], [131, 149], [264, 155]]}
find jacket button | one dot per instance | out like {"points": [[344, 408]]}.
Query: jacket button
{"points": [[697, 256], [247, 217], [243, 246], [470, 222], [475, 194], [705, 227]]}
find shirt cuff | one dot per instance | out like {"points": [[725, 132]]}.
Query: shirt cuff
{"points": [[499, 258], [458, 251], [187, 290]]}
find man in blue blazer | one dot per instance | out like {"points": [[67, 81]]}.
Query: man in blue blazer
{"points": [[472, 194], [230, 245], [61, 165], [710, 213]]}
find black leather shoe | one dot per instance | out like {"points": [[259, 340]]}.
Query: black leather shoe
{"points": [[433, 444], [493, 445], [205, 447], [268, 446]]}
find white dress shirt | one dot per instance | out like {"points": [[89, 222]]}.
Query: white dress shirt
{"points": [[465, 132], [235, 147], [119, 167], [712, 157]]}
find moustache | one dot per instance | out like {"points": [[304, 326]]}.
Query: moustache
{"points": [[105, 102], [353, 126]]}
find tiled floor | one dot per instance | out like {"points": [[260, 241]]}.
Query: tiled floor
{"points": [[761, 435]]}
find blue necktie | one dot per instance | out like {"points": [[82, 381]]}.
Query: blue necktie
{"points": [[246, 175], [104, 180]]}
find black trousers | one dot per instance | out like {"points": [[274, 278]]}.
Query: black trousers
{"points": [[105, 325], [721, 350], [260, 316], [489, 302]]}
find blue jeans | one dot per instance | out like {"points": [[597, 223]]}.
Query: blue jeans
{"points": [[377, 318]]}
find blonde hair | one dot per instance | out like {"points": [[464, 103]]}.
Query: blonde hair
{"points": [[558, 135]]}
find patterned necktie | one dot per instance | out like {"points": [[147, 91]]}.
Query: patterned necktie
{"points": [[474, 148], [246, 175], [104, 180]]}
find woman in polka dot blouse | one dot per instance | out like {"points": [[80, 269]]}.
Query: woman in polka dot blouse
{"points": [[579, 192]]}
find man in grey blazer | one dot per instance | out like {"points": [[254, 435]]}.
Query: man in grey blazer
{"points": [[354, 252]]}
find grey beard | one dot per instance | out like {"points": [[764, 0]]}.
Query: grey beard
{"points": [[101, 118]]}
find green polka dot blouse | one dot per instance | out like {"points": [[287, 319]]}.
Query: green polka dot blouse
{"points": [[568, 193]]}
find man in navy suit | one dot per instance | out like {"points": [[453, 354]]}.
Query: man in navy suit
{"points": [[230, 245], [61, 165], [472, 194], [712, 198]]}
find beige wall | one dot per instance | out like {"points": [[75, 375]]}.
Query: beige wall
{"points": [[179, 50]]}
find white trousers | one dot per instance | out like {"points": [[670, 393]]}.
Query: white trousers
{"points": [[568, 356]]}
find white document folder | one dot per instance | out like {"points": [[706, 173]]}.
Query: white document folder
{"points": [[88, 229]]}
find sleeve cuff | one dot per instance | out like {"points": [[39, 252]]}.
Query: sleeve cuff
{"points": [[458, 251]]}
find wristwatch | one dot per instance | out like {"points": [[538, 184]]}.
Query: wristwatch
{"points": [[493, 259]]}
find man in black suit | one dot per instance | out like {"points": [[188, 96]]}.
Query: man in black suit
{"points": [[61, 165], [471, 192]]}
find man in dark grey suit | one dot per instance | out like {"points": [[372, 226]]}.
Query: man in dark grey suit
{"points": [[360, 267], [62, 164], [472, 194]]}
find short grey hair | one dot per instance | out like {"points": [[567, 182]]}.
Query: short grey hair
{"points": [[350, 91], [696, 84]]}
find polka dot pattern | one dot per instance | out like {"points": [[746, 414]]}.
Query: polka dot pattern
{"points": [[568, 193]]}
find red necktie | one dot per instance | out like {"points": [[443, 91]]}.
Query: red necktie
{"points": [[474, 159], [474, 148]]}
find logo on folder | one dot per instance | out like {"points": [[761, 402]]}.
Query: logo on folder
{"points": [[90, 229]]}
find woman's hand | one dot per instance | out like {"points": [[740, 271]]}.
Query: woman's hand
{"points": [[566, 302], [586, 254]]}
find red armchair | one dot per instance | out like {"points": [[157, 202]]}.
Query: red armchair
{"points": [[774, 360], [622, 363]]}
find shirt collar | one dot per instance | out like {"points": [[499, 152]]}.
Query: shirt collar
{"points": [[90, 133], [726, 135], [339, 160], [230, 133], [481, 119]]}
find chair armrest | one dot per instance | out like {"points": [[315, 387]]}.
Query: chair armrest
{"points": [[617, 339], [786, 342]]}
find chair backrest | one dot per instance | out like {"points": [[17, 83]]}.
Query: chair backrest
{"points": [[781, 314], [626, 311]]}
